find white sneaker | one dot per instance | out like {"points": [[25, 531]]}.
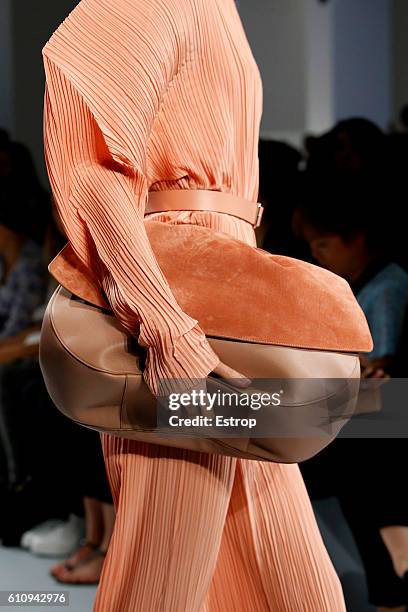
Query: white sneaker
{"points": [[27, 536], [61, 540]]}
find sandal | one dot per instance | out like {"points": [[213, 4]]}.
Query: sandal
{"points": [[97, 552], [83, 544], [71, 565]]}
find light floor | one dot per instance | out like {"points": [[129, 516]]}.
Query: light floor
{"points": [[21, 570]]}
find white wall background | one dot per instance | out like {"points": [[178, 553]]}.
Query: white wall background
{"points": [[276, 34], [400, 54], [318, 59], [319, 62], [363, 59], [24, 29]]}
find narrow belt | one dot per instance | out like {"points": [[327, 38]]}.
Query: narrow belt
{"points": [[204, 199]]}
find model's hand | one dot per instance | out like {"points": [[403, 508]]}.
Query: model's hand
{"points": [[198, 387], [375, 368], [232, 377], [240, 380]]}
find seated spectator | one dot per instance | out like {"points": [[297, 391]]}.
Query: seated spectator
{"points": [[346, 236], [19, 183], [24, 213], [51, 469], [22, 274]]}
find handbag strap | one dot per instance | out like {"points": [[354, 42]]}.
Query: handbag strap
{"points": [[204, 199]]}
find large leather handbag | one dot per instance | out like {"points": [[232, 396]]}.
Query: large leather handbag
{"points": [[268, 316]]}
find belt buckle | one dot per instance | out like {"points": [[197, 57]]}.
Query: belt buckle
{"points": [[259, 215]]}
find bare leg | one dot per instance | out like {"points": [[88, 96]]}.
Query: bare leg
{"points": [[94, 530], [108, 513], [399, 609], [395, 538], [89, 570], [94, 527]]}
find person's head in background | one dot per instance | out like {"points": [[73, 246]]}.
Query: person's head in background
{"points": [[338, 220], [17, 164], [354, 147], [6, 165], [25, 205], [15, 228], [403, 118]]}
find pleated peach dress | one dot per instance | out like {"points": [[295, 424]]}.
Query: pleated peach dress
{"points": [[153, 95]]}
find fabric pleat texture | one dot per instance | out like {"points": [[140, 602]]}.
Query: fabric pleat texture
{"points": [[199, 532], [146, 95]]}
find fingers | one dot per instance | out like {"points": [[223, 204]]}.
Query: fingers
{"points": [[239, 380], [373, 372], [367, 372]]}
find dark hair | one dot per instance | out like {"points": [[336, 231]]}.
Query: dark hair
{"points": [[364, 134], [366, 139], [25, 207], [345, 207], [4, 140], [404, 115]]}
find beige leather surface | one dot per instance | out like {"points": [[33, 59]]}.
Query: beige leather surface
{"points": [[92, 373]]}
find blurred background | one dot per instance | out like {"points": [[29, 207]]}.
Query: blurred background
{"points": [[333, 159], [321, 61]]}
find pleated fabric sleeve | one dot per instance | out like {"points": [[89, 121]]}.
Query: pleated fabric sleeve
{"points": [[100, 193]]}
